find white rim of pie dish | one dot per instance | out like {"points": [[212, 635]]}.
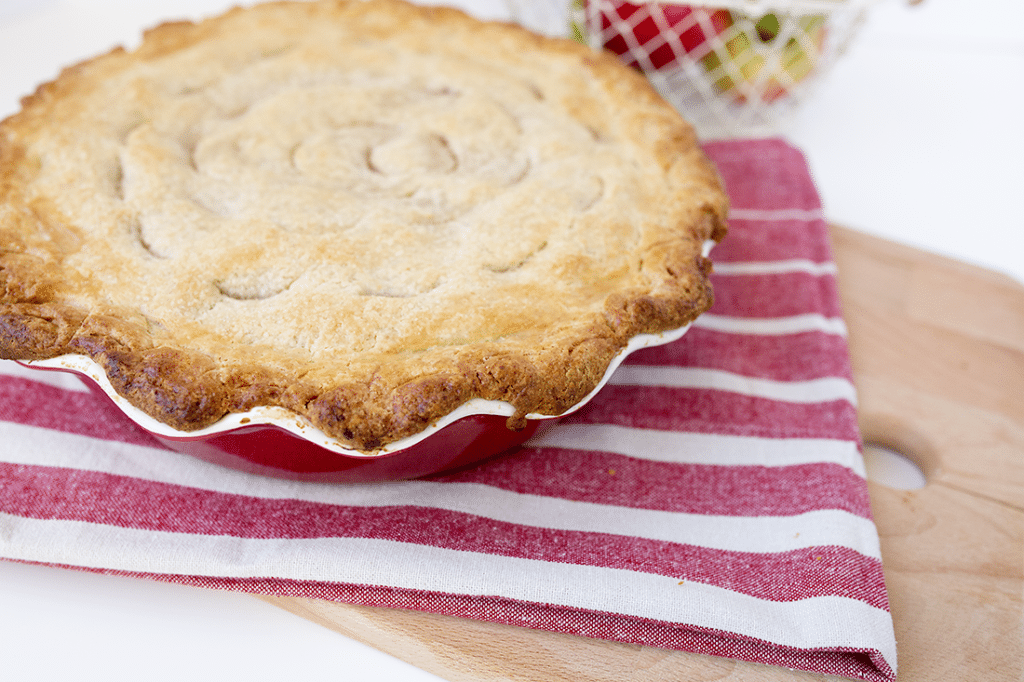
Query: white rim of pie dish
{"points": [[301, 427]]}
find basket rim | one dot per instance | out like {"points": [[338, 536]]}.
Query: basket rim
{"points": [[764, 5]]}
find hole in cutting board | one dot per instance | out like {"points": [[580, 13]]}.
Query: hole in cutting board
{"points": [[891, 468]]}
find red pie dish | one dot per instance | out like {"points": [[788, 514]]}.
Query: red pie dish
{"points": [[273, 442]]}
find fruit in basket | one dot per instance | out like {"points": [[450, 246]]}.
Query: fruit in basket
{"points": [[741, 56], [636, 36], [753, 63]]}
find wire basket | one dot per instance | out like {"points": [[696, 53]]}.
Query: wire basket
{"points": [[737, 69]]}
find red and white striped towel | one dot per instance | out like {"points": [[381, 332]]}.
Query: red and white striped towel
{"points": [[712, 498]]}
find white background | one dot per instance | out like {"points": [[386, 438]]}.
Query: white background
{"points": [[916, 136]]}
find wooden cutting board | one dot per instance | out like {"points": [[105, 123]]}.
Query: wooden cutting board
{"points": [[938, 358]]}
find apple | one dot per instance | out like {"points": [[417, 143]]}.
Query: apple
{"points": [[739, 55], [752, 63], [692, 26]]}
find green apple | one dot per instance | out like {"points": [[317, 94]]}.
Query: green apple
{"points": [[747, 53]]}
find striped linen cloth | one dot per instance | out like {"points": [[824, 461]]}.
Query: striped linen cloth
{"points": [[712, 498]]}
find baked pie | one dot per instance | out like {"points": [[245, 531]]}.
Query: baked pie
{"points": [[363, 212]]}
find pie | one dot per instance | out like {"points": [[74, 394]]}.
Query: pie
{"points": [[363, 212]]}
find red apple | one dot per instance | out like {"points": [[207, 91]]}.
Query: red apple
{"points": [[691, 26]]}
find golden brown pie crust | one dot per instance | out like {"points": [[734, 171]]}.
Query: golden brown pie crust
{"points": [[367, 213]]}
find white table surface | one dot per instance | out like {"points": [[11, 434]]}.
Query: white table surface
{"points": [[917, 136]]}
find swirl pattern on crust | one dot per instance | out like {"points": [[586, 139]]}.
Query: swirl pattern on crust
{"points": [[364, 212]]}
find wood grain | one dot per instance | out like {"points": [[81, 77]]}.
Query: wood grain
{"points": [[938, 356]]}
